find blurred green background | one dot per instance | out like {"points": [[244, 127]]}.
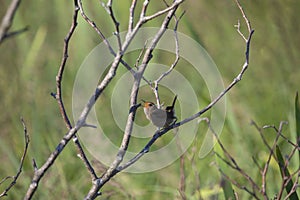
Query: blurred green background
{"points": [[29, 64]]}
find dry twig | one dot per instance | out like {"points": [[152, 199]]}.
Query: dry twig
{"points": [[8, 20], [58, 95], [15, 178]]}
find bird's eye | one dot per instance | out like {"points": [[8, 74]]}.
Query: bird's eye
{"points": [[151, 104]]}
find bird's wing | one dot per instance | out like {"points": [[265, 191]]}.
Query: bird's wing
{"points": [[159, 117]]}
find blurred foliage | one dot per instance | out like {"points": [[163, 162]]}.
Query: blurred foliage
{"points": [[29, 63]]}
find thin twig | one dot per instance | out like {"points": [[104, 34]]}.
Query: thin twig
{"points": [[159, 13], [256, 163], [7, 21], [286, 178], [15, 178], [140, 55], [285, 182], [289, 157], [138, 61], [295, 186], [281, 135], [244, 16], [253, 194], [58, 95], [39, 172], [131, 15], [290, 142], [234, 165], [156, 82], [102, 36], [261, 135], [108, 7], [17, 32], [271, 153], [176, 51]]}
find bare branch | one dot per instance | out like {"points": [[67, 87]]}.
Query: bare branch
{"points": [[159, 13], [264, 174], [156, 82], [131, 15], [34, 165], [261, 135], [15, 178], [58, 96], [233, 83], [138, 61], [94, 26], [176, 51], [253, 194], [295, 186], [59, 76], [281, 135], [144, 9], [59, 92], [161, 132], [109, 9], [8, 20], [114, 168], [104, 39], [244, 16], [233, 163]]}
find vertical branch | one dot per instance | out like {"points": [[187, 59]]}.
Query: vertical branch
{"points": [[144, 9], [58, 95], [39, 172], [109, 9], [173, 65], [244, 16], [59, 76], [182, 182], [131, 15]]}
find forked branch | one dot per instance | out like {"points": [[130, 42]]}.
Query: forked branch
{"points": [[161, 132], [15, 177]]}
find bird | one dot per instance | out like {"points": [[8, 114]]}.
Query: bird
{"points": [[160, 118]]}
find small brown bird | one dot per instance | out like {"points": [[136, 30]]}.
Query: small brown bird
{"points": [[160, 118]]}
